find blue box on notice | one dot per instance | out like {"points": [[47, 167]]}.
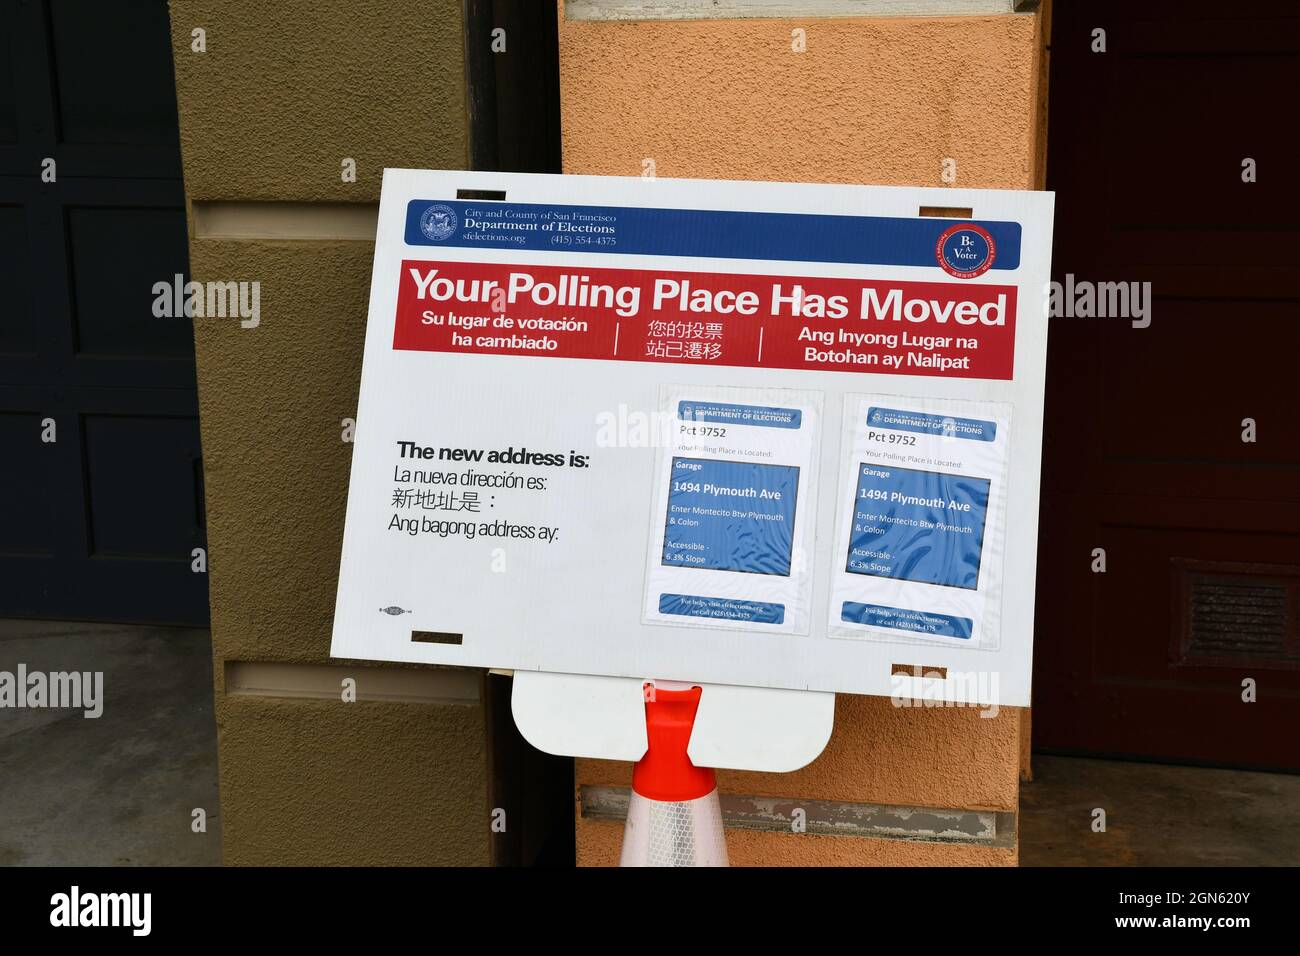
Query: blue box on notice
{"points": [[975, 429], [905, 619], [918, 525], [722, 609], [730, 516], [729, 414]]}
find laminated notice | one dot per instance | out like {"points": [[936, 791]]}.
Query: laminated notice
{"points": [[921, 520], [730, 528]]}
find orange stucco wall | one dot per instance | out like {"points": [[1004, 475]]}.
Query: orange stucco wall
{"points": [[881, 101], [870, 101]]}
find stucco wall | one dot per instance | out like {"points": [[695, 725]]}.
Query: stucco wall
{"points": [[284, 92], [869, 101], [880, 101]]}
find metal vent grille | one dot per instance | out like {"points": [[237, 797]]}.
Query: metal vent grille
{"points": [[1231, 613], [1236, 617]]}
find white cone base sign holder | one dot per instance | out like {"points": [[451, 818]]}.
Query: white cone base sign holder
{"points": [[738, 728]]}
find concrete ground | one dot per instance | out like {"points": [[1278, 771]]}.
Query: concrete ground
{"points": [[121, 789], [1157, 815]]}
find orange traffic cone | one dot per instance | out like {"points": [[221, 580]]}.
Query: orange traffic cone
{"points": [[674, 818]]}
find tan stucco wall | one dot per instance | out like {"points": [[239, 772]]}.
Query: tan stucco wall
{"points": [[284, 92], [870, 101]]}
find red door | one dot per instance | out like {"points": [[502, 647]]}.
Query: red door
{"points": [[1144, 457]]}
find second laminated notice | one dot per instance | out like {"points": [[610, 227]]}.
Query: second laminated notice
{"points": [[921, 523]]}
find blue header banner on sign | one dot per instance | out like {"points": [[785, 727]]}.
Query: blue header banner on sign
{"points": [[698, 233]]}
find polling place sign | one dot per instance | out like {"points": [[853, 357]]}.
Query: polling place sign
{"points": [[767, 434]]}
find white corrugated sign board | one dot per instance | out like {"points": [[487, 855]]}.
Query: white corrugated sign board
{"points": [[763, 434]]}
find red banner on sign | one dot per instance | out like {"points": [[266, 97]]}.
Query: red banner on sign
{"points": [[794, 322]]}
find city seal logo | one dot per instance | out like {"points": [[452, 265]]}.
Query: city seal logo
{"points": [[965, 251], [438, 222]]}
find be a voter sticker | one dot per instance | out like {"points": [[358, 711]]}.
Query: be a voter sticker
{"points": [[965, 251]]}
